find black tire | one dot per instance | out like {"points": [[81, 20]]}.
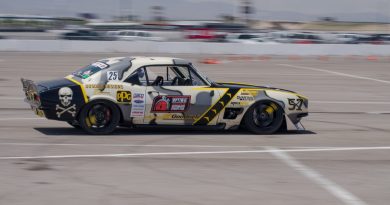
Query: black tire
{"points": [[264, 117], [74, 124], [99, 117]]}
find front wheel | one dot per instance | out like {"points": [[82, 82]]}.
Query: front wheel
{"points": [[99, 117], [264, 117]]}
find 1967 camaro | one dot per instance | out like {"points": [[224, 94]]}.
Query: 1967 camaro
{"points": [[160, 91]]}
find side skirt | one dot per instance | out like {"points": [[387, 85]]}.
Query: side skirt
{"points": [[219, 126]]}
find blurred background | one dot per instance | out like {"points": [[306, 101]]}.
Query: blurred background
{"points": [[238, 21]]}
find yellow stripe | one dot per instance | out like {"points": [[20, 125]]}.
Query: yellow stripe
{"points": [[210, 107], [208, 88], [280, 91], [216, 103], [69, 77], [236, 83]]}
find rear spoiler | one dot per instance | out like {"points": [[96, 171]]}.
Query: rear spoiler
{"points": [[26, 84], [30, 90]]}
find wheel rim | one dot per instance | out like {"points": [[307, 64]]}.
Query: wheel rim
{"points": [[99, 116], [264, 115]]}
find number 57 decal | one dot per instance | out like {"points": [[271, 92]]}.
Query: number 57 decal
{"points": [[295, 104]]}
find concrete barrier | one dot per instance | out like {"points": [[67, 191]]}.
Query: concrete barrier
{"points": [[192, 47]]}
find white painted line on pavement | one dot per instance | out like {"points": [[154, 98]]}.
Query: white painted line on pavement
{"points": [[336, 73], [351, 102], [190, 153], [11, 98], [150, 145], [338, 191], [379, 112]]}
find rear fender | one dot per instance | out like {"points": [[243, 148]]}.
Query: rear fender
{"points": [[123, 109]]}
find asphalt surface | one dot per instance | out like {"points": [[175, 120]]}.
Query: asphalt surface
{"points": [[342, 158]]}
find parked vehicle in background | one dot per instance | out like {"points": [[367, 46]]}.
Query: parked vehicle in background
{"points": [[200, 33], [84, 35], [249, 38], [241, 38], [385, 38], [300, 38], [113, 34], [345, 38], [133, 35], [376, 39]]}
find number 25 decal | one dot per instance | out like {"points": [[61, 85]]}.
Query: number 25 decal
{"points": [[112, 75], [295, 104]]}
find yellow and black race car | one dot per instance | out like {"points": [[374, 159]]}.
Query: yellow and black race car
{"points": [[160, 91]]}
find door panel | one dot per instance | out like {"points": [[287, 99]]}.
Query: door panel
{"points": [[178, 105]]}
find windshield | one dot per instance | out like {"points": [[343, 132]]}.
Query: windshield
{"points": [[89, 70], [202, 76]]}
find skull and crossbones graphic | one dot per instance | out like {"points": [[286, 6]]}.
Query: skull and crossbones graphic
{"points": [[65, 94]]}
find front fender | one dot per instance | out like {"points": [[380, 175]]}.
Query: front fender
{"points": [[295, 107]]}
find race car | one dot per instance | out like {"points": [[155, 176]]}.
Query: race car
{"points": [[161, 91]]}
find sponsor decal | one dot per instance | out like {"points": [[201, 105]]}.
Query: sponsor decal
{"points": [[112, 75], [99, 92], [137, 105], [91, 69], [245, 98], [240, 103], [65, 95], [181, 117], [245, 93], [100, 65], [252, 92], [171, 103], [172, 116], [123, 96], [138, 101], [109, 86]]}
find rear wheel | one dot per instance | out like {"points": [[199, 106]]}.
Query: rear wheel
{"points": [[99, 117], [264, 117]]}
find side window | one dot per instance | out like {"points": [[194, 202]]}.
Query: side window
{"points": [[172, 75], [138, 77], [157, 75]]}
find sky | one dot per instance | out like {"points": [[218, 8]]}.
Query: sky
{"points": [[293, 10]]}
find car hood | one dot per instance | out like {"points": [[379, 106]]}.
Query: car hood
{"points": [[244, 85]]}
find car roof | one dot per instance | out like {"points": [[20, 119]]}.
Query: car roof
{"points": [[139, 60]]}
